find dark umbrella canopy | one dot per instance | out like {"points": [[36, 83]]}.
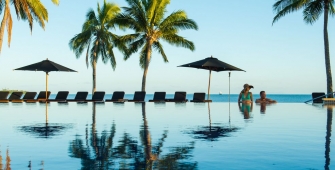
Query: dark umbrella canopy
{"points": [[46, 66], [210, 64]]}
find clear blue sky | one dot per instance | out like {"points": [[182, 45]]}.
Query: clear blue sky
{"points": [[286, 57]]}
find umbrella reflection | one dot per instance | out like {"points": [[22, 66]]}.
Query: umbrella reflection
{"points": [[214, 131], [328, 135], [100, 152], [45, 130]]}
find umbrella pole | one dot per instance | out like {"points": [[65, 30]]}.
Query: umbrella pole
{"points": [[209, 83], [229, 96], [46, 86]]}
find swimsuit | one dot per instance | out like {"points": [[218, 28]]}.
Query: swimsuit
{"points": [[244, 98]]}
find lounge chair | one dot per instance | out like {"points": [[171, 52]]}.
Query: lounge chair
{"points": [[80, 97], [60, 97], [98, 96], [117, 97], [200, 97], [3, 96], [40, 98], [139, 96], [179, 96], [27, 96], [158, 97], [318, 94], [13, 96]]}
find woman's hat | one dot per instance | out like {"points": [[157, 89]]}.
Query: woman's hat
{"points": [[247, 85]]}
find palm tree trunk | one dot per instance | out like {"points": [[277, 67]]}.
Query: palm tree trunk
{"points": [[328, 135], [145, 72], [94, 66], [3, 24], [327, 55]]}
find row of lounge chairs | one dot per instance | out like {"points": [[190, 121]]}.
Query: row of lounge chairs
{"points": [[98, 96]]}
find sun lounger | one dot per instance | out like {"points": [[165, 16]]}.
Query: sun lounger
{"points": [[200, 97], [158, 97], [98, 96], [117, 97], [316, 95], [60, 97], [27, 96], [80, 97], [13, 96], [40, 98], [3, 96], [179, 96], [139, 96]]}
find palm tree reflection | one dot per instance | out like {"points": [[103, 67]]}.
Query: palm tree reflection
{"points": [[8, 160], [328, 135], [212, 132], [99, 152]]}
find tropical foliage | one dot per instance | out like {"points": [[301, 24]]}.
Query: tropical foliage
{"points": [[26, 10], [96, 37], [146, 19], [312, 10]]}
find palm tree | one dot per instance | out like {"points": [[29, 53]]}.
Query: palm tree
{"points": [[146, 18], [95, 33], [312, 10], [26, 10]]}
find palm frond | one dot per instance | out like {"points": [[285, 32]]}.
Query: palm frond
{"points": [[313, 11], [331, 8], [158, 47], [157, 13], [38, 12], [284, 7], [177, 21], [143, 56], [9, 25], [179, 41], [2, 5], [79, 42], [56, 2], [137, 12]]}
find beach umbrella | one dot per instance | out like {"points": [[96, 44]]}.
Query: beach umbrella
{"points": [[212, 64], [46, 66]]}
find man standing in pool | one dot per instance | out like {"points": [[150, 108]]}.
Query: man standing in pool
{"points": [[263, 99]]}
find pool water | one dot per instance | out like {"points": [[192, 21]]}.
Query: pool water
{"points": [[165, 136]]}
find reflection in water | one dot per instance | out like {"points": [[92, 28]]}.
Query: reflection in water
{"points": [[95, 152], [245, 109], [263, 108], [328, 135], [45, 130], [212, 132], [8, 160], [102, 153]]}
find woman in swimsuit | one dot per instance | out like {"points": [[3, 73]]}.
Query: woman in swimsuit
{"points": [[246, 96]]}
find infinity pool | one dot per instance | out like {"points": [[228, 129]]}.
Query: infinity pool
{"points": [[165, 136]]}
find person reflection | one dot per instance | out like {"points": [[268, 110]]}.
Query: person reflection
{"points": [[245, 109], [263, 108]]}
